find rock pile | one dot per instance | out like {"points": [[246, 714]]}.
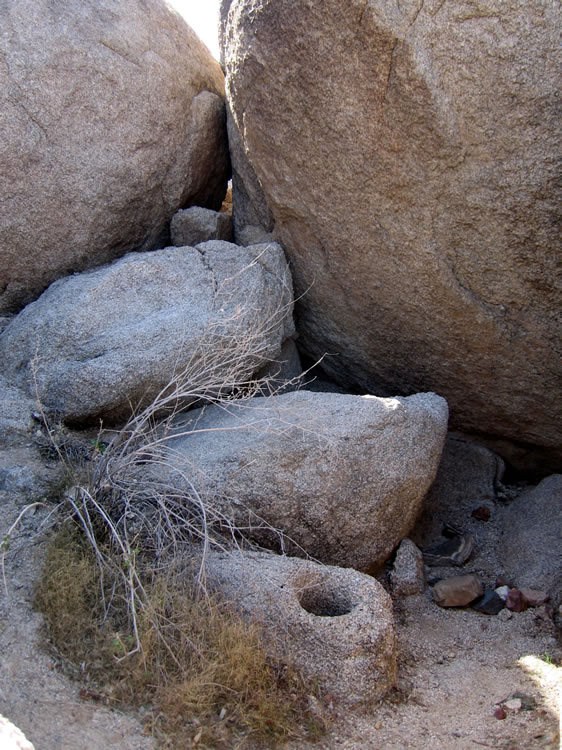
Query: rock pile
{"points": [[420, 239]]}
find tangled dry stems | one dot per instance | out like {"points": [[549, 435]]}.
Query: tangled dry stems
{"points": [[168, 636]]}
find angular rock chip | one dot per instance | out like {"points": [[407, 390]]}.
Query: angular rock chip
{"points": [[457, 591], [515, 601], [533, 597], [490, 603]]}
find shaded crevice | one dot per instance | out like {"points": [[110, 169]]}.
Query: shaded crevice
{"points": [[209, 268]]}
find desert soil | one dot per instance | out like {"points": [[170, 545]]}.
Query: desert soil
{"points": [[455, 666]]}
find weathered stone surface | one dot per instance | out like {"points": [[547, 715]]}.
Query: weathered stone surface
{"points": [[342, 476], [12, 738], [335, 625], [468, 475], [408, 573], [404, 154], [111, 118], [457, 591], [529, 549], [96, 342], [23, 472], [16, 409], [194, 225]]}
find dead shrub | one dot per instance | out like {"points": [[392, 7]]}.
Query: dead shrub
{"points": [[124, 601]]}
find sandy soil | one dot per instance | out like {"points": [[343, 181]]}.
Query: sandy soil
{"points": [[455, 666]]}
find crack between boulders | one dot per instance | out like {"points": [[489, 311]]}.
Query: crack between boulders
{"points": [[209, 268]]}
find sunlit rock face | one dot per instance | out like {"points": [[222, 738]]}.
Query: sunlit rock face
{"points": [[405, 155], [111, 118]]}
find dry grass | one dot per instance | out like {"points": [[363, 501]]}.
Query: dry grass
{"points": [[201, 672]]}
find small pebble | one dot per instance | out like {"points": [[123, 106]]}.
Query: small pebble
{"points": [[534, 597], [515, 601], [482, 513], [489, 603], [501, 581], [499, 713], [378, 725], [513, 704], [502, 592]]}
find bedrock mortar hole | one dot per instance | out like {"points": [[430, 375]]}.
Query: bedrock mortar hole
{"points": [[325, 603]]}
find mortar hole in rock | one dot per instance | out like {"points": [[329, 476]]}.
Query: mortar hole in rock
{"points": [[325, 603]]}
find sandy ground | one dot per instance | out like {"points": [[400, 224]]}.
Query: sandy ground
{"points": [[455, 666]]}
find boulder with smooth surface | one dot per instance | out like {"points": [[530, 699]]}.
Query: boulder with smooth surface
{"points": [[98, 342], [111, 118], [405, 156], [343, 477]]}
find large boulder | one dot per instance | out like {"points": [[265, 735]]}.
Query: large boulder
{"points": [[343, 477], [111, 118], [405, 156], [95, 344], [334, 625]]}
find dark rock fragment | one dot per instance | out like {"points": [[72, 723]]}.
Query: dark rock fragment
{"points": [[482, 513], [489, 603], [454, 551]]}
